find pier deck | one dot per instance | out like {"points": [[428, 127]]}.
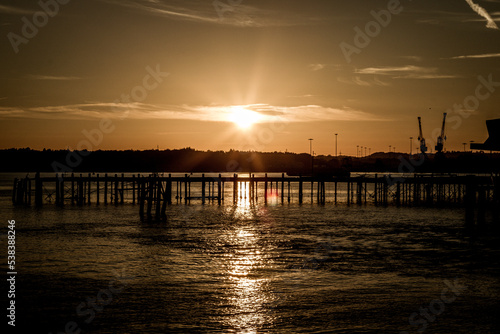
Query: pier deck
{"points": [[154, 192]]}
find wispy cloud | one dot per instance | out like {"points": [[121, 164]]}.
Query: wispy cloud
{"points": [[413, 58], [316, 67], [406, 72], [214, 113], [482, 12], [356, 80], [486, 55], [14, 10], [50, 77], [241, 15]]}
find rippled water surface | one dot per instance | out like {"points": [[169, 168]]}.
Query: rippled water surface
{"points": [[251, 268]]}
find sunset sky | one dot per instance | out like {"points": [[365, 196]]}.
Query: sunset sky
{"points": [[244, 74]]}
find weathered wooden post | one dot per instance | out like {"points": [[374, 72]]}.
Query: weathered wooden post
{"points": [[158, 197], [72, 188], [63, 194], [58, 191], [106, 188], [235, 188], [80, 190], [39, 189], [186, 189], [288, 191], [163, 214], [203, 189], [122, 192], [219, 190], [142, 196], [97, 189], [265, 188], [318, 190], [365, 189], [133, 188], [359, 189], [116, 189], [386, 193], [168, 190], [312, 189], [150, 197], [335, 190], [89, 188], [348, 192], [300, 190], [398, 193], [282, 187]]}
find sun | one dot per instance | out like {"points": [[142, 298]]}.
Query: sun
{"points": [[242, 117]]}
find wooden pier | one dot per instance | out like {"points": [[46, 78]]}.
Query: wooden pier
{"points": [[153, 193]]}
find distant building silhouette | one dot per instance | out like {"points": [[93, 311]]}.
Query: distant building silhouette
{"points": [[493, 142]]}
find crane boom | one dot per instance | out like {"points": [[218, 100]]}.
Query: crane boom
{"points": [[421, 138], [442, 137], [420, 128], [444, 123]]}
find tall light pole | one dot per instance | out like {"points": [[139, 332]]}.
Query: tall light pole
{"points": [[365, 151], [390, 150], [311, 153], [464, 145], [336, 142], [357, 151], [411, 146]]}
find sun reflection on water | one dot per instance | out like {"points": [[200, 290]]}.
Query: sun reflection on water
{"points": [[244, 207], [246, 297]]}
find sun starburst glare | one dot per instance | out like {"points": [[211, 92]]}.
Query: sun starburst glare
{"points": [[242, 117]]}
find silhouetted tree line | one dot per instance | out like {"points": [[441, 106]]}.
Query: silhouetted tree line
{"points": [[190, 160]]}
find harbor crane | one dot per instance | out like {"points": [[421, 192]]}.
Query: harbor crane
{"points": [[421, 138], [442, 137]]}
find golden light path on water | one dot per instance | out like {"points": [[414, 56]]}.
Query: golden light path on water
{"points": [[250, 296]]}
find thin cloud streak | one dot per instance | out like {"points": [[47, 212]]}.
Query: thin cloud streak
{"points": [[356, 80], [482, 12], [14, 10], [486, 55], [406, 72], [238, 15], [316, 67], [213, 113], [50, 77]]}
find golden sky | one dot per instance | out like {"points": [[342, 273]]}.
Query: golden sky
{"points": [[250, 75]]}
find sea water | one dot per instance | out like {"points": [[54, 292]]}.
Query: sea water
{"points": [[248, 267]]}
